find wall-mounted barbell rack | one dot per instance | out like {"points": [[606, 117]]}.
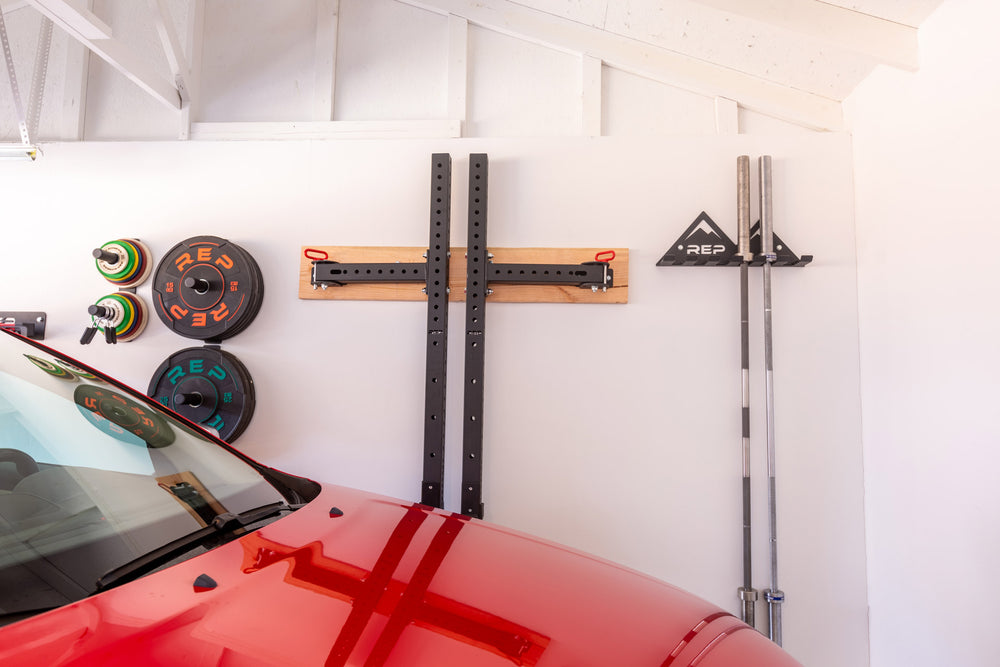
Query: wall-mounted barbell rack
{"points": [[472, 277], [703, 243]]}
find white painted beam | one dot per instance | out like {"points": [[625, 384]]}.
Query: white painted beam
{"points": [[81, 21], [458, 67], [194, 32], [74, 104], [888, 42], [171, 46], [653, 62], [341, 129], [327, 27], [591, 94], [84, 26], [10, 5], [727, 116]]}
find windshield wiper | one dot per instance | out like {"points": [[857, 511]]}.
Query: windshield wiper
{"points": [[224, 526], [8, 617]]}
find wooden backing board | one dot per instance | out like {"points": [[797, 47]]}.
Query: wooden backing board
{"points": [[187, 476], [456, 278]]}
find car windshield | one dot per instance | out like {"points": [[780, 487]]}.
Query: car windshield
{"points": [[94, 477]]}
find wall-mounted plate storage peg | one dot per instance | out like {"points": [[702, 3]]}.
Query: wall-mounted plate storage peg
{"points": [[124, 262], [208, 386], [120, 316], [207, 288]]}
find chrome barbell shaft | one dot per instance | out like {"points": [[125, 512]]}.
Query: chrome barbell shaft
{"points": [[774, 596]]}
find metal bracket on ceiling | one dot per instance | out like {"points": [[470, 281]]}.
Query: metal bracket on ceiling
{"points": [[28, 150]]}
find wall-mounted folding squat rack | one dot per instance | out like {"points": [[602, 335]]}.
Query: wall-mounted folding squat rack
{"points": [[476, 274]]}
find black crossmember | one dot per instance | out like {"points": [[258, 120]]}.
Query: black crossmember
{"points": [[595, 275], [329, 272]]}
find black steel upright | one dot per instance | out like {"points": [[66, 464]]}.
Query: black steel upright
{"points": [[476, 291], [438, 250]]}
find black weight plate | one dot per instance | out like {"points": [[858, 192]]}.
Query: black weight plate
{"points": [[207, 288], [207, 386], [256, 294], [122, 417], [249, 397]]}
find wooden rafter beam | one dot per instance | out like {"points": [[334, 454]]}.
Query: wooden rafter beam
{"points": [[888, 42], [339, 129], [637, 57], [193, 33], [458, 67], [7, 6], [171, 46], [79, 21], [327, 27], [89, 30]]}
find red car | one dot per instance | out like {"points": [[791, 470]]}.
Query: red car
{"points": [[129, 536]]}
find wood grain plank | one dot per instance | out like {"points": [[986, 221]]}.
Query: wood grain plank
{"points": [[501, 293]]}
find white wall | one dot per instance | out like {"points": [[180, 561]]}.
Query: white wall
{"points": [[926, 171], [614, 429]]}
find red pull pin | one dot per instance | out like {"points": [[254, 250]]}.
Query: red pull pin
{"points": [[600, 257]]}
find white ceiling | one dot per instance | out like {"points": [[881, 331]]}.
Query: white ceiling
{"points": [[790, 59]]}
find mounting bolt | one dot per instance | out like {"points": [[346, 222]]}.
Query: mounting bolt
{"points": [[488, 291], [324, 285], [593, 288]]}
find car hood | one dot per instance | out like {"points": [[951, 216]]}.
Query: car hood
{"points": [[355, 579]]}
